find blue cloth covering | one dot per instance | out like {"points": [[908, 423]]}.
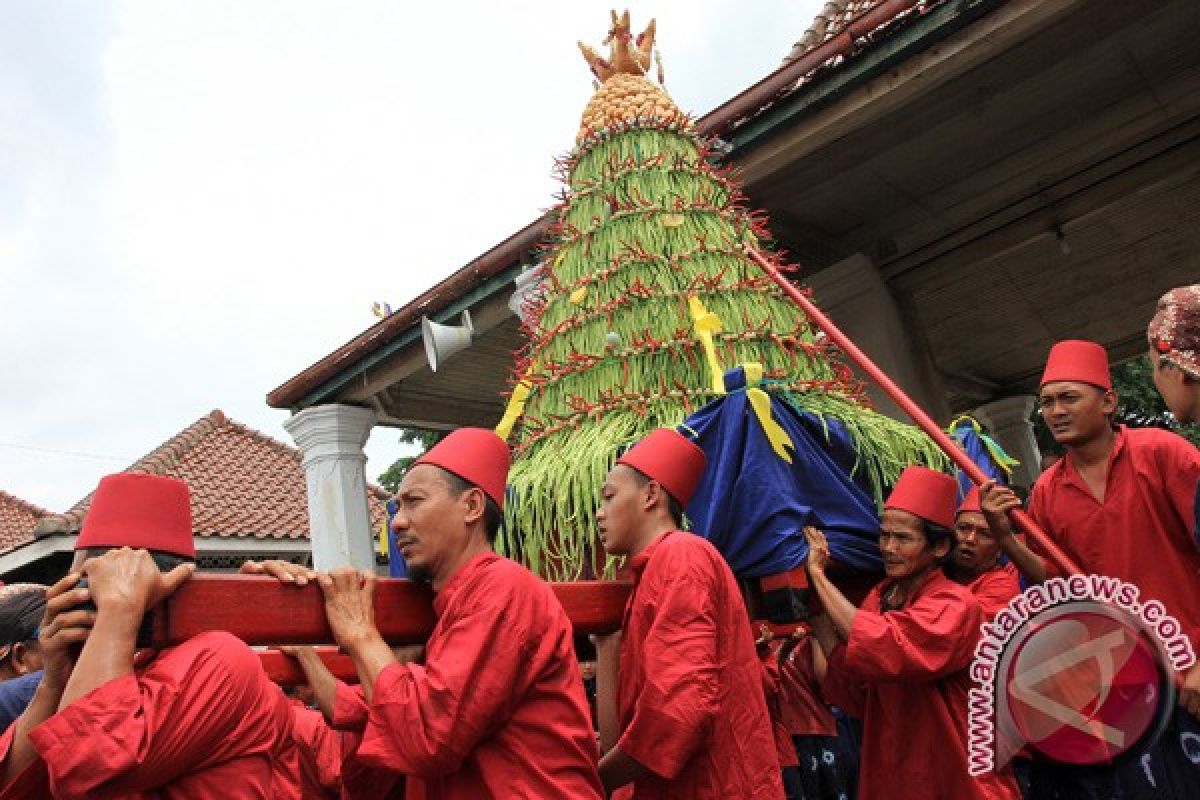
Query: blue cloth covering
{"points": [[968, 439], [15, 696], [396, 566], [753, 506]]}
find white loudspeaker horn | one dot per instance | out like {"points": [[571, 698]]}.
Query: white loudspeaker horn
{"points": [[443, 341]]}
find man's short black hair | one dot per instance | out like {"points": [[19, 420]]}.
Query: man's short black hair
{"points": [[673, 506], [164, 561], [493, 517], [935, 534], [21, 610]]}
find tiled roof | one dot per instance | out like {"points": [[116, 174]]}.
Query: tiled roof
{"points": [[831, 20], [846, 19], [18, 518], [243, 483]]}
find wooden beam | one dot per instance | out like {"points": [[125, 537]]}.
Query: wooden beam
{"points": [[285, 671], [264, 611]]}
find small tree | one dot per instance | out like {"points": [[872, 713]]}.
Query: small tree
{"points": [[390, 478]]}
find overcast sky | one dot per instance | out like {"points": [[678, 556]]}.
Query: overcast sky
{"points": [[200, 199]]}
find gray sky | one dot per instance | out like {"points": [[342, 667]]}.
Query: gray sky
{"points": [[200, 199]]}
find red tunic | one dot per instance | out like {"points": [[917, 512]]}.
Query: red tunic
{"points": [[995, 588], [689, 696], [904, 673], [1142, 532], [498, 708], [804, 712], [200, 721], [785, 750], [315, 758]]}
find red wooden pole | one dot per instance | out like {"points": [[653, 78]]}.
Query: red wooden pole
{"points": [[915, 412], [286, 672], [264, 611]]}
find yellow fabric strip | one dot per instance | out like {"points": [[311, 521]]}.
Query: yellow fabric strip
{"points": [[516, 404], [760, 401], [706, 323]]}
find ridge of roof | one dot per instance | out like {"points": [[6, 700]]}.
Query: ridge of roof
{"points": [[172, 458], [31, 508]]}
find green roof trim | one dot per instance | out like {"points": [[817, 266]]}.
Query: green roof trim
{"points": [[325, 393]]}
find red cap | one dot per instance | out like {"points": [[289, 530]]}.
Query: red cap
{"points": [[928, 494], [476, 455], [671, 459], [1077, 360], [971, 502], [131, 509]]}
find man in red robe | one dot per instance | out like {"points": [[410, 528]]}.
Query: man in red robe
{"points": [[975, 560], [1119, 503], [200, 720], [691, 713], [496, 709], [900, 662]]}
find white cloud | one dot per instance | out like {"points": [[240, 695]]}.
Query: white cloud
{"points": [[202, 199]]}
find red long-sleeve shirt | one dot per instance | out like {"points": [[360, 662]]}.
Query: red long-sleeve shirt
{"points": [[498, 708], [690, 691], [995, 588], [805, 713], [904, 673], [1142, 531], [199, 721]]}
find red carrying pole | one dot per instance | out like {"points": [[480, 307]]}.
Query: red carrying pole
{"points": [[264, 611], [914, 411]]}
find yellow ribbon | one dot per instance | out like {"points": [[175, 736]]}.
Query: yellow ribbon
{"points": [[383, 537], [760, 401], [706, 323], [516, 404]]}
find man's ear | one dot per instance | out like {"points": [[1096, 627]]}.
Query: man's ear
{"points": [[653, 495], [19, 658], [1109, 402], [476, 504], [942, 547]]}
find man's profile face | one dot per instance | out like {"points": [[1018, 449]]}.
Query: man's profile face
{"points": [[621, 500], [1076, 412], [429, 526], [902, 544]]}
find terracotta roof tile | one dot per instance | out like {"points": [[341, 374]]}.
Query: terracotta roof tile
{"points": [[18, 518], [243, 483], [838, 17]]}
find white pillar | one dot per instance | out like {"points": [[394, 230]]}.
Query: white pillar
{"points": [[331, 440], [1008, 420]]}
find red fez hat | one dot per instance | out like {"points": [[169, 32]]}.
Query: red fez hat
{"points": [[971, 502], [131, 509], [476, 455], [1077, 360], [928, 494], [671, 459]]}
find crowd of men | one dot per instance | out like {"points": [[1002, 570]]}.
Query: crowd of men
{"points": [[692, 702]]}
